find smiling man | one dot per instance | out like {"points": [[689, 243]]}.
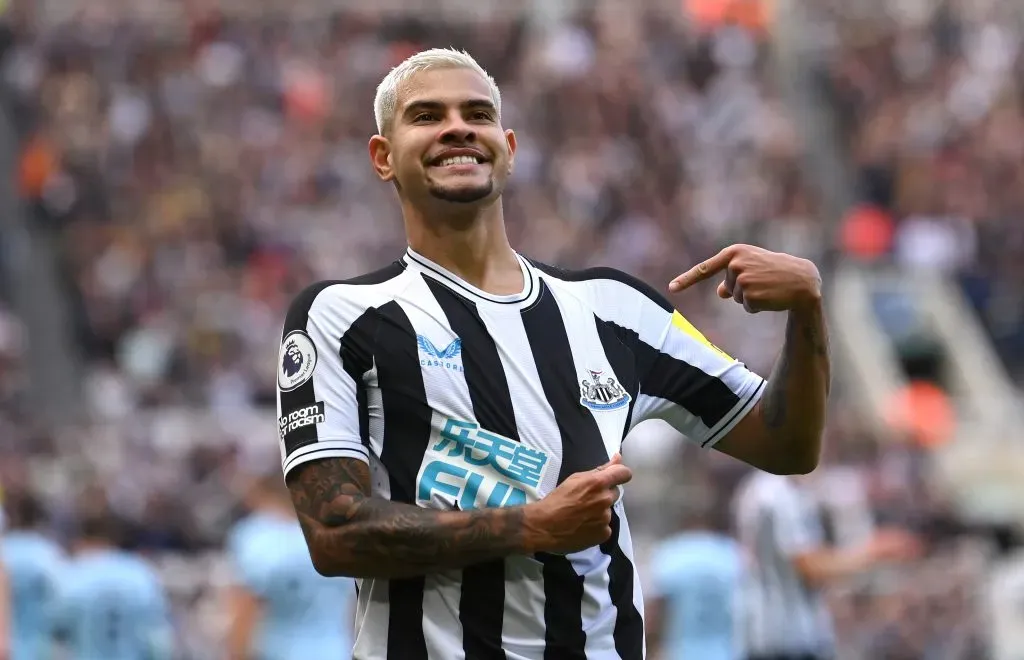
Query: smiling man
{"points": [[451, 424]]}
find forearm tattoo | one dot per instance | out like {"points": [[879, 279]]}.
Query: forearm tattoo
{"points": [[804, 337], [355, 534]]}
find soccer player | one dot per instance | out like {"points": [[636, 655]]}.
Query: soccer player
{"points": [[451, 424], [779, 523], [33, 563], [281, 608], [697, 579], [110, 603]]}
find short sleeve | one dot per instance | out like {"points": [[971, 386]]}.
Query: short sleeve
{"points": [[684, 379], [693, 385], [326, 349]]}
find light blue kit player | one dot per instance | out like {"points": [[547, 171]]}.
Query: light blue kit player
{"points": [[282, 609], [695, 594], [111, 604], [33, 563]]}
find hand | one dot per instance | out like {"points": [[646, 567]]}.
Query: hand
{"points": [[895, 545], [760, 280], [578, 513]]}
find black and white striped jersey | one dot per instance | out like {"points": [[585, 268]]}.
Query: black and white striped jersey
{"points": [[458, 399], [776, 520]]}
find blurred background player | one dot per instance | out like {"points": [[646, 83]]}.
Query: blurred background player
{"points": [[32, 562], [779, 523], [6, 597], [280, 607], [110, 603], [695, 583]]}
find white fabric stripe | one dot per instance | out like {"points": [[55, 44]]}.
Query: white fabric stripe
{"points": [[749, 396], [598, 614], [588, 353], [523, 621], [324, 449], [626, 544], [622, 304], [375, 406], [371, 621], [619, 303], [448, 397]]}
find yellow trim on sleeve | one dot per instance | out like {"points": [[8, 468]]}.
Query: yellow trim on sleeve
{"points": [[681, 323]]}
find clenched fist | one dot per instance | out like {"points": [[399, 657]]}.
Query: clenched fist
{"points": [[760, 280], [578, 513]]}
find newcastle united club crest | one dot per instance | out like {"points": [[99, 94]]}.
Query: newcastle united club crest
{"points": [[602, 395]]}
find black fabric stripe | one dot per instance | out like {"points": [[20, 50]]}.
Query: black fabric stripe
{"points": [[407, 415], [406, 436], [356, 353], [623, 363], [582, 449], [563, 610], [582, 446], [297, 318], [629, 625], [672, 379], [605, 273], [332, 450], [735, 414], [482, 603]]}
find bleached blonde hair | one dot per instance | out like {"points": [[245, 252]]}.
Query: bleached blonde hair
{"points": [[385, 104]]}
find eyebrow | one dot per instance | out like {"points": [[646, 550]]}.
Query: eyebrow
{"points": [[471, 104]]}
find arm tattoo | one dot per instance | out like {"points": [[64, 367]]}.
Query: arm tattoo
{"points": [[350, 532], [774, 403], [806, 337]]}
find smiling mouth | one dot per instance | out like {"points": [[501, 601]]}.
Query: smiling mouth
{"points": [[460, 160], [456, 161]]}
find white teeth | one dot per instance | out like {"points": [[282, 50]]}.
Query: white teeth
{"points": [[458, 160]]}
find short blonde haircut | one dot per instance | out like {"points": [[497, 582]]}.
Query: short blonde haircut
{"points": [[385, 104]]}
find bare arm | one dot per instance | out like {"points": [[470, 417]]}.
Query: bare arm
{"points": [[824, 565], [783, 433], [246, 610], [351, 533]]}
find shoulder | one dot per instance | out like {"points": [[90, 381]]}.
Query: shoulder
{"points": [[602, 284], [334, 298]]}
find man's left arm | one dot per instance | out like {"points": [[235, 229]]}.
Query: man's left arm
{"points": [[782, 434]]}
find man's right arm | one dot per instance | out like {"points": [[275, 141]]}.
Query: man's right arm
{"points": [[351, 533]]}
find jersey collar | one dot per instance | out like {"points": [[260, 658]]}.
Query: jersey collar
{"points": [[415, 261]]}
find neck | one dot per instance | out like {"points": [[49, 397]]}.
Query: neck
{"points": [[473, 245]]}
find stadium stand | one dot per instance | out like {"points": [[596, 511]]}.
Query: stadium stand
{"points": [[194, 171]]}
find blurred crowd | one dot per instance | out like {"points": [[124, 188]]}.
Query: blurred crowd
{"points": [[194, 179], [930, 101]]}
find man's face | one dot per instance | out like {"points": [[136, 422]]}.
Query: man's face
{"points": [[446, 141]]}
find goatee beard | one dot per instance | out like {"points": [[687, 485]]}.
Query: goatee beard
{"points": [[463, 195]]}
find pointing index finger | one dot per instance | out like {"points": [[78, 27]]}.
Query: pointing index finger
{"points": [[702, 271]]}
